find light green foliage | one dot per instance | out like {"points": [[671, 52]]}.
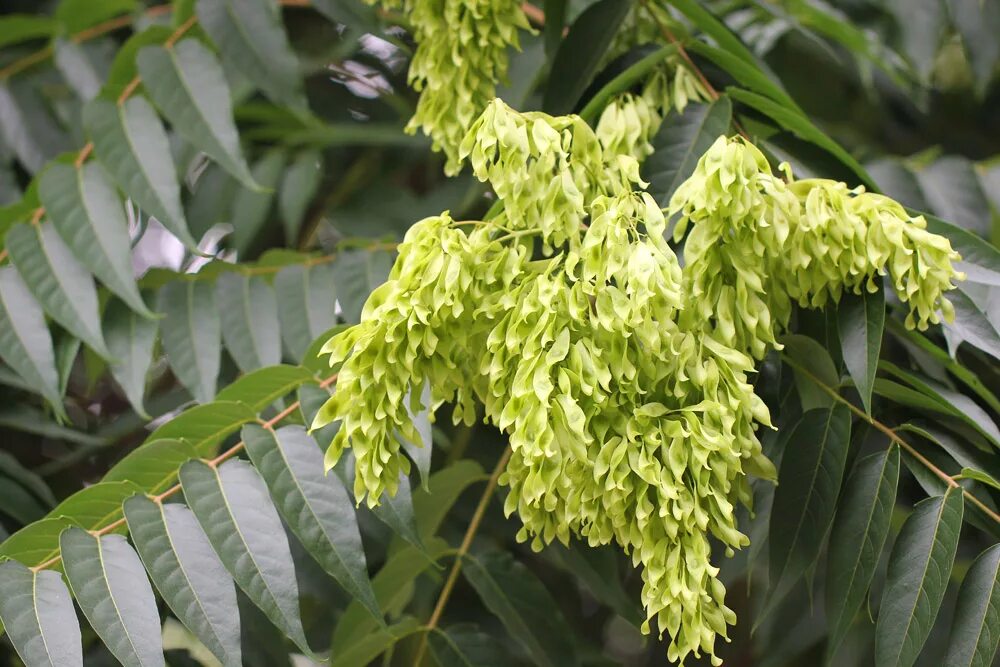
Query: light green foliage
{"points": [[622, 380]]}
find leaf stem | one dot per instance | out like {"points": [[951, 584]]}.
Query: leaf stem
{"points": [[173, 490], [470, 533], [894, 437]]}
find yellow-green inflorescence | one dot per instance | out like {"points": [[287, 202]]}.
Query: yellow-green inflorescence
{"points": [[622, 380]]}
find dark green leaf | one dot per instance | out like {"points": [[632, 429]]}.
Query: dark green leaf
{"points": [[110, 584], [420, 452], [972, 325], [715, 29], [812, 468], [921, 25], [61, 285], [527, 610], [252, 208], [264, 386], [466, 646], [131, 143], [375, 643], [307, 299], [233, 508], [77, 15], [919, 568], [204, 426], [809, 357], [249, 312], [680, 142], [153, 466], [191, 333], [16, 28], [27, 127], [799, 125], [432, 504], [188, 574], [18, 504], [357, 273], [39, 618], [86, 211], [581, 52], [860, 322], [73, 62], [252, 40], [952, 189], [298, 186], [393, 586], [36, 542], [96, 506], [25, 343], [315, 506], [11, 467], [131, 339], [975, 631], [980, 259], [857, 539], [978, 22], [187, 84]]}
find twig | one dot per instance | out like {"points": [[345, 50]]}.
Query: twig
{"points": [[894, 437], [228, 454], [470, 533]]}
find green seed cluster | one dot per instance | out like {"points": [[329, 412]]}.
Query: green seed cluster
{"points": [[462, 51], [758, 244], [622, 380], [631, 120]]}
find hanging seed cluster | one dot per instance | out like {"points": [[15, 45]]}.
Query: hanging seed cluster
{"points": [[622, 380]]}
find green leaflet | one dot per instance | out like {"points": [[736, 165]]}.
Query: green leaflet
{"points": [[357, 273], [131, 143], [249, 313], [188, 574], [74, 63], [35, 543], [153, 465], [466, 645], [395, 511], [420, 452], [580, 53], [38, 615], [860, 321], [204, 426], [316, 507], [188, 86], [857, 539], [85, 209], [232, 506], [680, 142], [77, 15], [191, 334], [96, 506], [131, 339], [393, 586], [262, 387], [61, 285], [25, 126], [16, 28], [306, 304], [252, 40], [25, 343], [299, 184], [375, 643], [527, 610], [110, 584], [252, 208], [919, 567], [975, 631], [804, 502]]}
